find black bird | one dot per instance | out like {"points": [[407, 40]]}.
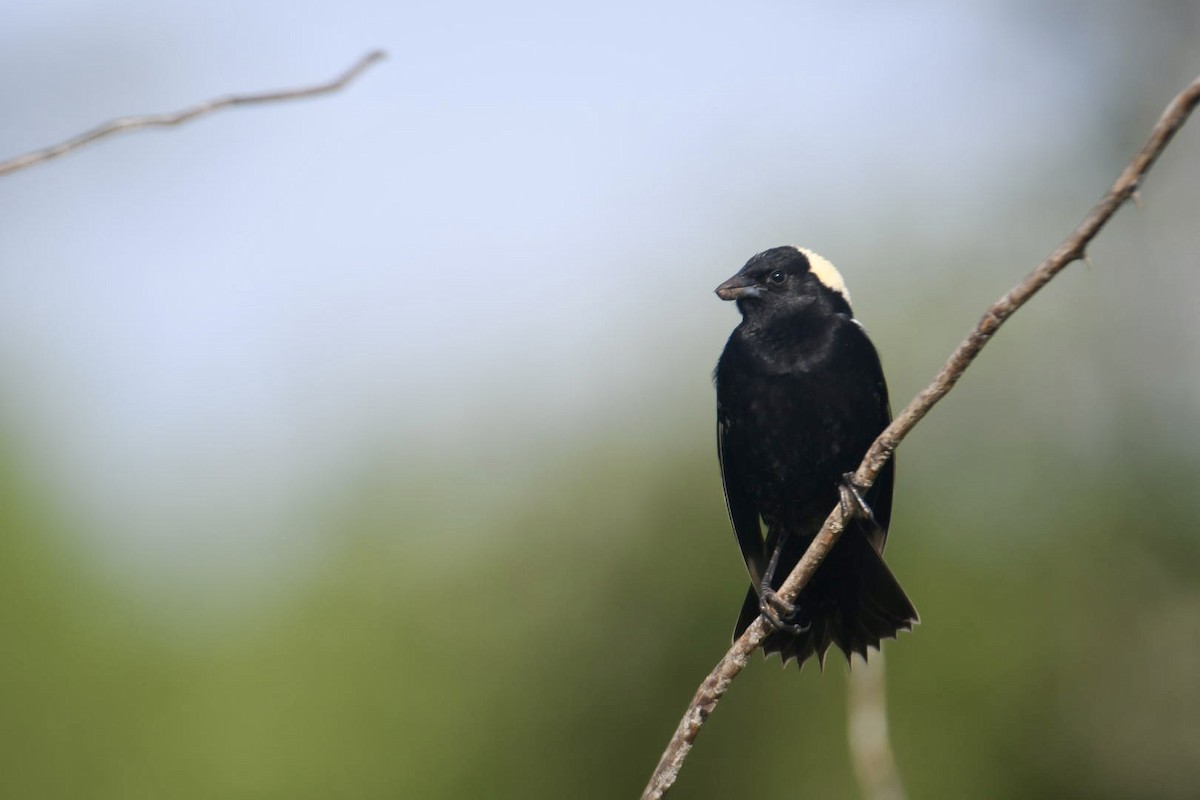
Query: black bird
{"points": [[800, 397]]}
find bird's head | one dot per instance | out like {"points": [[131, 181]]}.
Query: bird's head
{"points": [[787, 280]]}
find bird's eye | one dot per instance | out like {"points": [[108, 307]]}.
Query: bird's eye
{"points": [[777, 277]]}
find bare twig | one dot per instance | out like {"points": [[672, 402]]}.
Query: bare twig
{"points": [[124, 124], [867, 732], [1072, 249]]}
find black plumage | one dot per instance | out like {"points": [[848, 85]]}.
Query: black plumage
{"points": [[800, 397]]}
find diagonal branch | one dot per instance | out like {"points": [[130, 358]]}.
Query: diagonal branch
{"points": [[124, 124], [1073, 248]]}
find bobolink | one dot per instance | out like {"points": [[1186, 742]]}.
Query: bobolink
{"points": [[800, 397]]}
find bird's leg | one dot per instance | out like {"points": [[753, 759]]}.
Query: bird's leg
{"points": [[771, 604], [854, 505]]}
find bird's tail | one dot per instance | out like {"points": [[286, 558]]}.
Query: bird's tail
{"points": [[852, 600]]}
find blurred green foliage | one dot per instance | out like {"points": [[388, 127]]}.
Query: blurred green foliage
{"points": [[462, 631], [554, 659]]}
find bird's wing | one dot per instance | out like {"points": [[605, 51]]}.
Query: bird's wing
{"points": [[879, 498], [880, 495], [742, 512]]}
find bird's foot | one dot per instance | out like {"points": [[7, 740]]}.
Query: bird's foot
{"points": [[854, 505], [779, 613]]}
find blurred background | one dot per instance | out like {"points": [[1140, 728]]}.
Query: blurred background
{"points": [[363, 446]]}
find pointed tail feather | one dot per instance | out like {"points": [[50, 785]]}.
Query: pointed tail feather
{"points": [[853, 601]]}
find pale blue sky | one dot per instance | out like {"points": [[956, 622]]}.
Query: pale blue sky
{"points": [[514, 222]]}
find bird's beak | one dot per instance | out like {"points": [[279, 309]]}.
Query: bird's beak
{"points": [[737, 287]]}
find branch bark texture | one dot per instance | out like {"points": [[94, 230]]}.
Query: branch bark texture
{"points": [[126, 124], [1073, 248]]}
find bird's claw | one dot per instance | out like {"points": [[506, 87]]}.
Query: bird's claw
{"points": [[778, 611], [854, 505], [769, 599]]}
